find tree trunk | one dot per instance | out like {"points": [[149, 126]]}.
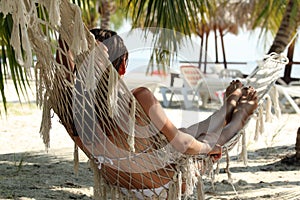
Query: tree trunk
{"points": [[206, 47], [105, 14], [97, 181], [216, 45], [287, 28], [297, 147], [223, 47], [201, 51], [288, 67]]}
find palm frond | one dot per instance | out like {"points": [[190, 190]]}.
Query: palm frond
{"points": [[9, 63], [169, 21], [268, 15], [9, 67]]}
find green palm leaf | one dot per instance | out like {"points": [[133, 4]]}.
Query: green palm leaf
{"points": [[169, 21], [9, 62]]}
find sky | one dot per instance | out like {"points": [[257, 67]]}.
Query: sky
{"points": [[244, 47]]}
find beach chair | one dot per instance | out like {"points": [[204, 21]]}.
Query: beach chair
{"points": [[196, 86], [203, 87], [231, 73], [200, 86], [76, 102], [178, 90], [288, 93]]}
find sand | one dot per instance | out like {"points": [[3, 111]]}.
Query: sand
{"points": [[28, 171]]}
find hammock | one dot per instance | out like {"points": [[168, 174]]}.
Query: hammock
{"points": [[99, 112]]}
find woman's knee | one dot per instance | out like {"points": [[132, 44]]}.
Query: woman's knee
{"points": [[143, 93], [145, 98]]}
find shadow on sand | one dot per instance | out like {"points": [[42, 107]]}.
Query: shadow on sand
{"points": [[265, 160], [35, 175], [42, 176]]}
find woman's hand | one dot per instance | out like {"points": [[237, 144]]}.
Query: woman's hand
{"points": [[216, 153]]}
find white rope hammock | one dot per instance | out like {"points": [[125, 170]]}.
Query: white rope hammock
{"points": [[97, 109]]}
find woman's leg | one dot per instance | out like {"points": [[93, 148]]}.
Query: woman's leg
{"points": [[246, 106], [216, 122], [184, 139]]}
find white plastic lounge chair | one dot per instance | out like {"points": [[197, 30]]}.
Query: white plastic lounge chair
{"points": [[230, 73], [288, 92], [176, 87], [195, 83], [203, 86]]}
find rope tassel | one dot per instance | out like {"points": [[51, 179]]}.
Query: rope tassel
{"points": [[268, 109], [54, 13], [46, 123], [79, 42], [131, 135]]}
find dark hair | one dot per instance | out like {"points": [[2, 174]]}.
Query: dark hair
{"points": [[114, 43]]}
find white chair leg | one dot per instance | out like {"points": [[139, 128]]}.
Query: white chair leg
{"points": [[291, 101], [187, 102], [289, 98], [166, 102]]}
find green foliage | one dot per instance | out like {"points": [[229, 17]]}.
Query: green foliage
{"points": [[117, 18], [268, 15], [180, 16], [89, 11], [9, 63], [169, 21]]}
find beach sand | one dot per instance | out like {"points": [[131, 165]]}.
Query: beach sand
{"points": [[28, 171]]}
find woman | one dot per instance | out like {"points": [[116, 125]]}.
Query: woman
{"points": [[205, 137]]}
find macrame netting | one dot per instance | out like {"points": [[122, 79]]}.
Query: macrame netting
{"points": [[97, 109], [262, 78]]}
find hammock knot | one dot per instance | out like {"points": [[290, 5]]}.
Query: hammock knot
{"points": [[102, 160]]}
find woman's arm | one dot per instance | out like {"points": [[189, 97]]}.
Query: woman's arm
{"points": [[186, 143], [181, 141]]}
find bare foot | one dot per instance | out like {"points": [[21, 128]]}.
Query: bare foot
{"points": [[247, 104], [244, 109], [232, 95]]}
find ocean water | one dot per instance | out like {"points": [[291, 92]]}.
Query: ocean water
{"points": [[140, 65]]}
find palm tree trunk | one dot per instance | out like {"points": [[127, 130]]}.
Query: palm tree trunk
{"points": [[297, 147], [288, 67], [216, 45], [105, 14], [206, 47], [287, 27], [223, 48], [201, 50]]}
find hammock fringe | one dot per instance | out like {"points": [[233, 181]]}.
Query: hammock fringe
{"points": [[46, 123]]}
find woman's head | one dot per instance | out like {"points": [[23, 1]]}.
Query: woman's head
{"points": [[117, 51]]}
